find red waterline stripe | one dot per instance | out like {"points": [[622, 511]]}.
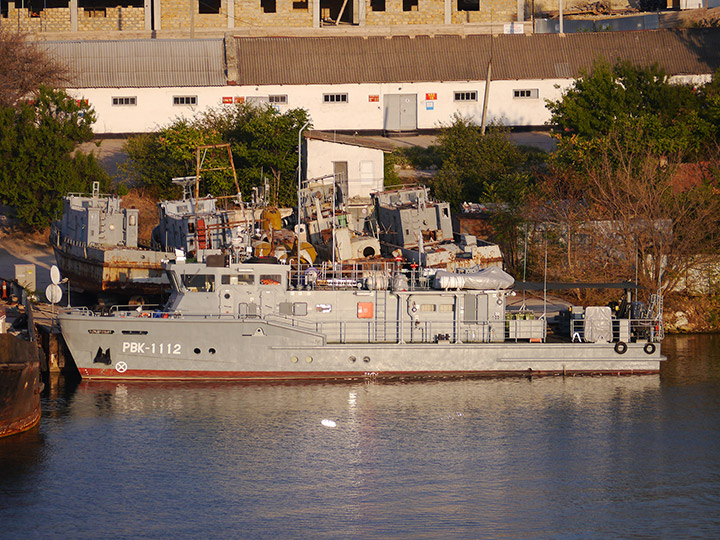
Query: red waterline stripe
{"points": [[146, 374]]}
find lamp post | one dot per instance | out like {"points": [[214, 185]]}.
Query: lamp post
{"points": [[299, 186]]}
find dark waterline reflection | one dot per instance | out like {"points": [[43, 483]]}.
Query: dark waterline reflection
{"points": [[585, 457]]}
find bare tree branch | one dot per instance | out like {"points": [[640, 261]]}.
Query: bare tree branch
{"points": [[24, 67]]}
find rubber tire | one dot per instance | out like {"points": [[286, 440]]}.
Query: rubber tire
{"points": [[621, 347], [649, 348]]}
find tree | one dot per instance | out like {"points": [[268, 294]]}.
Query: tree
{"points": [[263, 141], [619, 101], [629, 214], [472, 162], [24, 68], [37, 140], [490, 169]]}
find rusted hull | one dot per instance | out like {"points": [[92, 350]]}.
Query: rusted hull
{"points": [[128, 272], [20, 385]]}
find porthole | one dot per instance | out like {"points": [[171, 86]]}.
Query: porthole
{"points": [[352, 359], [294, 359], [366, 359], [212, 350], [227, 295], [196, 350], [308, 359]]}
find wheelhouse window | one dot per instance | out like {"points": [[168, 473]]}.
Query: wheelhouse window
{"points": [[270, 279], [466, 96], [335, 98], [238, 279], [527, 93], [184, 100], [124, 101], [199, 282]]}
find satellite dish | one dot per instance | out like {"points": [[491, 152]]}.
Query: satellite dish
{"points": [[53, 293], [55, 274]]}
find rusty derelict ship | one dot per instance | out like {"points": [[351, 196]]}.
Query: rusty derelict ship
{"points": [[96, 248], [20, 379], [234, 316]]}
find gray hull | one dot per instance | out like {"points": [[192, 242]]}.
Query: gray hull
{"points": [[218, 348]]}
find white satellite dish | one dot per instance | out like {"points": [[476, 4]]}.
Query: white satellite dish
{"points": [[53, 293], [55, 274]]}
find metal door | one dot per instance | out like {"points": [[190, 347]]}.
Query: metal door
{"points": [[340, 169], [227, 302], [400, 112]]}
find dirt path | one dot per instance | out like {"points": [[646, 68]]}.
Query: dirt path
{"points": [[26, 249]]}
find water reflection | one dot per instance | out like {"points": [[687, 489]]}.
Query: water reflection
{"points": [[582, 457]]}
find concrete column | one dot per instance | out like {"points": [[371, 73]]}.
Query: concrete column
{"points": [[147, 5], [448, 11], [157, 12], [73, 15], [231, 13], [361, 12], [521, 10], [230, 58], [315, 13]]}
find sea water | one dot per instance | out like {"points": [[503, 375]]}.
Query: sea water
{"points": [[513, 458]]}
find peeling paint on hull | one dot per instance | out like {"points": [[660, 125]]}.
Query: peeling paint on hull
{"points": [[20, 385]]}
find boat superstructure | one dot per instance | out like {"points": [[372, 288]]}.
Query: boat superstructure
{"points": [[96, 247], [233, 320], [419, 229]]}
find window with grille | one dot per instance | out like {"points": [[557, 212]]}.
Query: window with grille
{"points": [[185, 100], [531, 93], [119, 101], [466, 96], [277, 99], [335, 98]]}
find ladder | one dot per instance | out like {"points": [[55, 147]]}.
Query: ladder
{"points": [[380, 315]]}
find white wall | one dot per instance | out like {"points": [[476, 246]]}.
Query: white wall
{"points": [[154, 106], [365, 165]]}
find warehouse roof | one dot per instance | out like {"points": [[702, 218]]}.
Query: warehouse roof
{"points": [[357, 59], [338, 60], [142, 63]]}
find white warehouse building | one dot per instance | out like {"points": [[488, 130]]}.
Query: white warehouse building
{"points": [[362, 84]]}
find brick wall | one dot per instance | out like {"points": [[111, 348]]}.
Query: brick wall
{"points": [[427, 12], [251, 14], [491, 11], [117, 18], [49, 20], [176, 15]]}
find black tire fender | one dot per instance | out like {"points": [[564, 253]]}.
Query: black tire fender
{"points": [[621, 347], [649, 348]]}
